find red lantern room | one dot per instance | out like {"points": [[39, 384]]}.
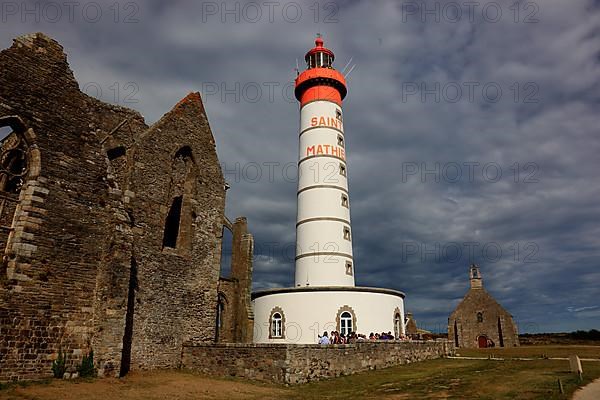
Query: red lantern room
{"points": [[320, 81]]}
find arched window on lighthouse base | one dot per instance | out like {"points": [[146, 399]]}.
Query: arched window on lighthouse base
{"points": [[277, 324], [346, 320]]}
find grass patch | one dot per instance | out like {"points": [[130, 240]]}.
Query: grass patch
{"points": [[456, 379]]}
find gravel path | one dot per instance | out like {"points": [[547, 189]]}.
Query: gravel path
{"points": [[589, 392]]}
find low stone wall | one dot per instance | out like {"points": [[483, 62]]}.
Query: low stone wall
{"points": [[294, 364]]}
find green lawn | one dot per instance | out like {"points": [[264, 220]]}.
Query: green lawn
{"points": [[534, 351], [455, 379]]}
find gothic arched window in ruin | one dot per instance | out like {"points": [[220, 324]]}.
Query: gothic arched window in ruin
{"points": [[14, 164], [172, 223], [180, 216], [184, 153], [479, 317], [14, 168], [221, 304], [19, 164], [220, 312]]}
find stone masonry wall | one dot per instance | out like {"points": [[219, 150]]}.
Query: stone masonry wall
{"points": [[296, 364], [176, 286], [59, 229], [88, 263]]}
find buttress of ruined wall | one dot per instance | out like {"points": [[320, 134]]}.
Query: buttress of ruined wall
{"points": [[411, 326], [179, 210], [60, 227], [115, 280], [235, 321]]}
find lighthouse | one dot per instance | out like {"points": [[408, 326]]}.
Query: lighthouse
{"points": [[323, 231], [324, 296]]}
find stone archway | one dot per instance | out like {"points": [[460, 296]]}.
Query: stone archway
{"points": [[399, 328], [20, 167], [221, 310]]}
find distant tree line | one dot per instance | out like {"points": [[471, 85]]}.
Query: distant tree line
{"points": [[592, 334]]}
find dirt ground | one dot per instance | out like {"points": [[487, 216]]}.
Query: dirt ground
{"points": [[172, 385]]}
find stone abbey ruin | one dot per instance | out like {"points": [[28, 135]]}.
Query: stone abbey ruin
{"points": [[111, 229]]}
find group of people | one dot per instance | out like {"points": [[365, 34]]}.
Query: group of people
{"points": [[339, 338]]}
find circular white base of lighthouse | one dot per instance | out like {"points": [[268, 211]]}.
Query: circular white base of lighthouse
{"points": [[300, 315]]}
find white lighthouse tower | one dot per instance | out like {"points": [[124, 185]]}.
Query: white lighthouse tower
{"points": [[324, 297], [323, 233]]}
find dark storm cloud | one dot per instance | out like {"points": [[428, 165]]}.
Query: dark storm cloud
{"points": [[535, 233]]}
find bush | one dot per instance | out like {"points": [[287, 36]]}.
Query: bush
{"points": [[86, 369], [59, 366], [586, 335]]}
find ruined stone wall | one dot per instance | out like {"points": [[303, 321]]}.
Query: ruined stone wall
{"points": [[87, 262], [296, 364], [237, 316], [59, 228], [177, 286], [411, 325], [480, 315]]}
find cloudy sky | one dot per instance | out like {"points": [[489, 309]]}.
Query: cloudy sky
{"points": [[471, 130]]}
